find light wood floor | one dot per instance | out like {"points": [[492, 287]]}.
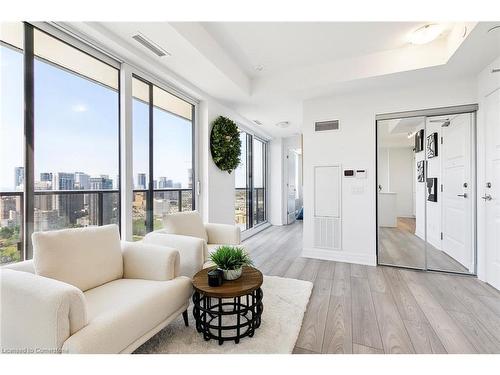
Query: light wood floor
{"points": [[362, 309], [400, 246]]}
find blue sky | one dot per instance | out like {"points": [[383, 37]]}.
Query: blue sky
{"points": [[76, 127]]}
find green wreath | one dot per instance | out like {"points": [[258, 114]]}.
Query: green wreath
{"points": [[225, 144]]}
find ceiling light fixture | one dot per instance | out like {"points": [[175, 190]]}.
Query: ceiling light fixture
{"points": [[283, 124], [494, 28], [426, 34], [411, 134], [259, 68], [257, 122]]}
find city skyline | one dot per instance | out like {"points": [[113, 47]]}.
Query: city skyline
{"points": [[85, 181]]}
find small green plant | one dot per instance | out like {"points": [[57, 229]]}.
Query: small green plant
{"points": [[230, 258]]}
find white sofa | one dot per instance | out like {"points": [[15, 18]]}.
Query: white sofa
{"points": [[87, 292], [186, 232]]}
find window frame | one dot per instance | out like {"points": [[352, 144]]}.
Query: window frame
{"points": [[29, 57], [250, 137], [150, 190]]}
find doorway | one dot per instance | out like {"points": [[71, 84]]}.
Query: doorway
{"points": [[426, 189]]}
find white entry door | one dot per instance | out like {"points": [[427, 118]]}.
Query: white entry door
{"points": [[291, 188], [458, 194], [491, 189]]}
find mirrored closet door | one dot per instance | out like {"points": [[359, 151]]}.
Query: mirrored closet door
{"points": [[426, 192]]}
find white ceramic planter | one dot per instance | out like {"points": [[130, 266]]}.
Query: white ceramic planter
{"points": [[232, 274]]}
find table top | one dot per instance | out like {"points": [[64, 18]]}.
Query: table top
{"points": [[250, 280]]}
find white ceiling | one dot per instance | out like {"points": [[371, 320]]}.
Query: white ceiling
{"points": [[394, 133], [300, 60], [289, 45]]}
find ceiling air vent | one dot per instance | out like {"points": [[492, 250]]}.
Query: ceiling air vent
{"points": [[157, 50], [322, 126]]}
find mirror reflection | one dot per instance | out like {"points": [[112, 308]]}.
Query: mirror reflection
{"points": [[426, 192]]}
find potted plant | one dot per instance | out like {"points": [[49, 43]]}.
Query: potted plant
{"points": [[230, 260]]}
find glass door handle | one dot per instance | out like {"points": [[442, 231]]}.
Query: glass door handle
{"points": [[487, 197], [464, 195]]}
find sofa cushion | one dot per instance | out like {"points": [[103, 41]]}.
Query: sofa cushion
{"points": [[187, 223], [123, 311], [83, 257]]}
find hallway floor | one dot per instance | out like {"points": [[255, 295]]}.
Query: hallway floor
{"points": [[363, 309]]}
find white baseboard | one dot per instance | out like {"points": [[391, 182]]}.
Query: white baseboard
{"points": [[340, 256]]}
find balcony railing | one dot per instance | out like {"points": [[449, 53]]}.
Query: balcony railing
{"points": [[165, 201], [241, 207], [58, 209]]}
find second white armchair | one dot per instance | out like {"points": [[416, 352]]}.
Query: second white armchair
{"points": [[186, 232]]}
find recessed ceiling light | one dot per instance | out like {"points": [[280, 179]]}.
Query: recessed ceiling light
{"points": [[426, 34], [259, 68], [283, 124], [257, 122]]}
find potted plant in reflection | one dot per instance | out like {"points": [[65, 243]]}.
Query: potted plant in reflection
{"points": [[230, 260]]}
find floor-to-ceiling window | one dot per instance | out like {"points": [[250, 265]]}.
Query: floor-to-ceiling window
{"points": [[259, 181], [11, 143], [250, 182], [241, 183], [163, 134], [60, 160]]}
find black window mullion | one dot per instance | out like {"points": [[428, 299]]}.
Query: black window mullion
{"points": [[150, 193], [29, 139], [249, 181]]}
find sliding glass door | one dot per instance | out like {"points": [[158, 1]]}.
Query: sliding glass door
{"points": [[250, 182], [163, 163]]}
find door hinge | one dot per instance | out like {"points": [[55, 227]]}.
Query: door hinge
{"points": [[441, 140], [441, 188], [441, 236]]}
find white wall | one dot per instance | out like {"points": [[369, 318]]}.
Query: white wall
{"points": [[401, 179], [353, 146], [276, 182], [217, 198]]}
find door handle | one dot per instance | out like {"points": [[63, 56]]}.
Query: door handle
{"points": [[487, 197], [464, 195]]}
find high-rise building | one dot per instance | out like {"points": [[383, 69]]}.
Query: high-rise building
{"points": [[155, 184], [82, 181], [63, 181], [162, 184], [102, 182], [46, 177], [43, 202], [141, 181], [177, 185], [46, 220], [19, 178], [9, 204], [69, 206]]}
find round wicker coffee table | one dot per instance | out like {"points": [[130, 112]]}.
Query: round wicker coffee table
{"points": [[231, 311]]}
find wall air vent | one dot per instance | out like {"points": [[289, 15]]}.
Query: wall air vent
{"points": [[322, 126], [153, 47]]}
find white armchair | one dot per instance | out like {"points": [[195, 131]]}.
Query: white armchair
{"points": [[186, 232], [87, 292]]}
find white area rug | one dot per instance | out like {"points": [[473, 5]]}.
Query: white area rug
{"points": [[285, 302]]}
